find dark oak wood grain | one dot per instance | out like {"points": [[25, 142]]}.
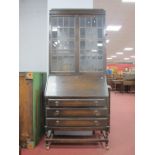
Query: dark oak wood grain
{"points": [[76, 112], [76, 86], [78, 123], [77, 102]]}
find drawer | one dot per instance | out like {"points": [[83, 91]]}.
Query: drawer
{"points": [[76, 122], [75, 112], [77, 102]]}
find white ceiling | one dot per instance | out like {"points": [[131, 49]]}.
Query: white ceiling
{"points": [[118, 13]]}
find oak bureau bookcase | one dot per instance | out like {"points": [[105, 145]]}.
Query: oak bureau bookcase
{"points": [[77, 97]]}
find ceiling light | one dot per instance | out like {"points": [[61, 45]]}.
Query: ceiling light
{"points": [[94, 50], [107, 41], [113, 56], [99, 44], [113, 27], [126, 58], [132, 56], [128, 1], [128, 49], [54, 29], [120, 53], [109, 58]]}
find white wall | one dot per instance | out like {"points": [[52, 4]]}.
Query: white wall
{"points": [[33, 41], [70, 4], [33, 31]]}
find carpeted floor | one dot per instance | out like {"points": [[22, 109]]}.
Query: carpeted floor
{"points": [[121, 135]]}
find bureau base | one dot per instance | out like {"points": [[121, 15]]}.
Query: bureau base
{"points": [[97, 137]]}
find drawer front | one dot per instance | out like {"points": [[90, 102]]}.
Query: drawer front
{"points": [[75, 112], [77, 102], [76, 123]]}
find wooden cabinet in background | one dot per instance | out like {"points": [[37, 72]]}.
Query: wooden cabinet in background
{"points": [[31, 113]]}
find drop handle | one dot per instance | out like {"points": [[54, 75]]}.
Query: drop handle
{"points": [[96, 112], [57, 112], [96, 103], [96, 122], [57, 121], [57, 103]]}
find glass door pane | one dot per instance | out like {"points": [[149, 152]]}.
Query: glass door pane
{"points": [[91, 43], [62, 44]]}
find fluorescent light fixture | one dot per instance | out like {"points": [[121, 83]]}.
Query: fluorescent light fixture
{"points": [[126, 58], [94, 50], [99, 44], [128, 49], [120, 53], [54, 29], [128, 1], [113, 27], [109, 58], [107, 41], [113, 56], [132, 56]]}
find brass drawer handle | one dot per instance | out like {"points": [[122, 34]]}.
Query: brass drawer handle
{"points": [[57, 122], [57, 112], [96, 103], [96, 112], [96, 122], [57, 103]]}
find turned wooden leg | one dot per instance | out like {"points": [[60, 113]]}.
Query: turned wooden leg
{"points": [[47, 145], [107, 141], [93, 132], [107, 146], [49, 134]]}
